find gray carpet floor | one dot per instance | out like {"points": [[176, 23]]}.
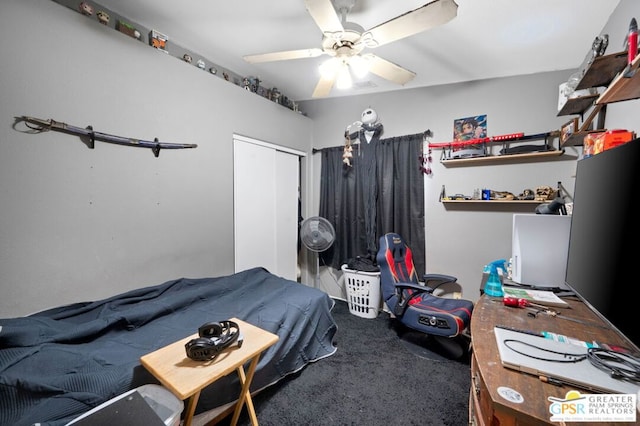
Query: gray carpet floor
{"points": [[381, 374]]}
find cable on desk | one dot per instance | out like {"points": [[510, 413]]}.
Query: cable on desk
{"points": [[618, 365], [567, 357]]}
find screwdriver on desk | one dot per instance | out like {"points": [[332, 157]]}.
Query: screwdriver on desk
{"points": [[521, 303], [524, 303]]}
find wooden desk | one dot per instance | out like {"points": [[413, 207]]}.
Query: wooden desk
{"points": [[486, 405], [186, 377]]}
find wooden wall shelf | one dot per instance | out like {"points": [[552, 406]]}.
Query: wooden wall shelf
{"points": [[502, 158], [622, 88], [601, 72], [492, 206], [577, 105], [493, 202], [605, 70]]}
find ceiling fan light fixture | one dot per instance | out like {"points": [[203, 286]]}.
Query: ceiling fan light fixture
{"points": [[344, 81], [360, 66], [329, 68]]}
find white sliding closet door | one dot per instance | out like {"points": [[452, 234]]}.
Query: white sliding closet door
{"points": [[287, 193], [266, 185]]}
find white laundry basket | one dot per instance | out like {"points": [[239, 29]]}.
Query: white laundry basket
{"points": [[363, 292]]}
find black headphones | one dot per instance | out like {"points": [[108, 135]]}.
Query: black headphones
{"points": [[214, 337]]}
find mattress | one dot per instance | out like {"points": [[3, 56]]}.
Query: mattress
{"points": [[59, 363]]}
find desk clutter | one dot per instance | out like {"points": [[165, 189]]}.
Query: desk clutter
{"points": [[551, 366], [585, 366]]}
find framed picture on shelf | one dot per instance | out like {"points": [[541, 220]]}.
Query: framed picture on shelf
{"points": [[568, 129], [467, 129]]}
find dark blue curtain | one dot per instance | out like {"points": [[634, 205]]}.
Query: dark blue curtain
{"points": [[382, 191]]}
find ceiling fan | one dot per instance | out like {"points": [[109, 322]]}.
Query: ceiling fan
{"points": [[345, 41]]}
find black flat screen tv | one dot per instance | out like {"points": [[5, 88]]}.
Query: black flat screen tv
{"points": [[602, 265]]}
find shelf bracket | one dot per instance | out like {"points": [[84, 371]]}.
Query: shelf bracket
{"points": [[595, 111]]}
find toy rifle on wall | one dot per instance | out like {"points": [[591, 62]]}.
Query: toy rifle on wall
{"points": [[89, 136]]}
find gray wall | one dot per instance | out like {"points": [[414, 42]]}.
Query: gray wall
{"points": [[79, 224], [460, 241]]}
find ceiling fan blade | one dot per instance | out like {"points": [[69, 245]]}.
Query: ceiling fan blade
{"points": [[284, 55], [324, 86], [323, 12], [421, 19], [389, 70]]}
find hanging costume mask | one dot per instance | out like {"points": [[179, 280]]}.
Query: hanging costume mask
{"points": [[369, 119]]}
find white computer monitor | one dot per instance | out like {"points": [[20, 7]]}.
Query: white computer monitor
{"points": [[540, 244]]}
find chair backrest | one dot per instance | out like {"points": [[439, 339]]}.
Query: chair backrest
{"points": [[395, 261]]}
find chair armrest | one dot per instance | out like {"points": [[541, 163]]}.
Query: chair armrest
{"points": [[414, 286], [402, 303], [438, 280]]}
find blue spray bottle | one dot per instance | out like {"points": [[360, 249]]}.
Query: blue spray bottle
{"points": [[493, 286]]}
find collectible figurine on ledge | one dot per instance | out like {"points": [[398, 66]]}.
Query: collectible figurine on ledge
{"points": [[85, 8], [103, 17]]}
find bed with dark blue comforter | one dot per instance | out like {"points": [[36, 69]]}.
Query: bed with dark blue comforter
{"points": [[60, 363]]}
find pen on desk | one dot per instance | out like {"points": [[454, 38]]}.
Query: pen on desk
{"points": [[550, 380]]}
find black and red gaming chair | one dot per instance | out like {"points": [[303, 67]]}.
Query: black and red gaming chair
{"points": [[413, 303]]}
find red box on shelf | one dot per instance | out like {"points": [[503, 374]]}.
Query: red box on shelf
{"points": [[610, 139]]}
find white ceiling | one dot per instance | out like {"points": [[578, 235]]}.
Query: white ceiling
{"points": [[487, 39]]}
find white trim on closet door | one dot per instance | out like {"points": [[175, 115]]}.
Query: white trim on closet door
{"points": [[266, 190]]}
